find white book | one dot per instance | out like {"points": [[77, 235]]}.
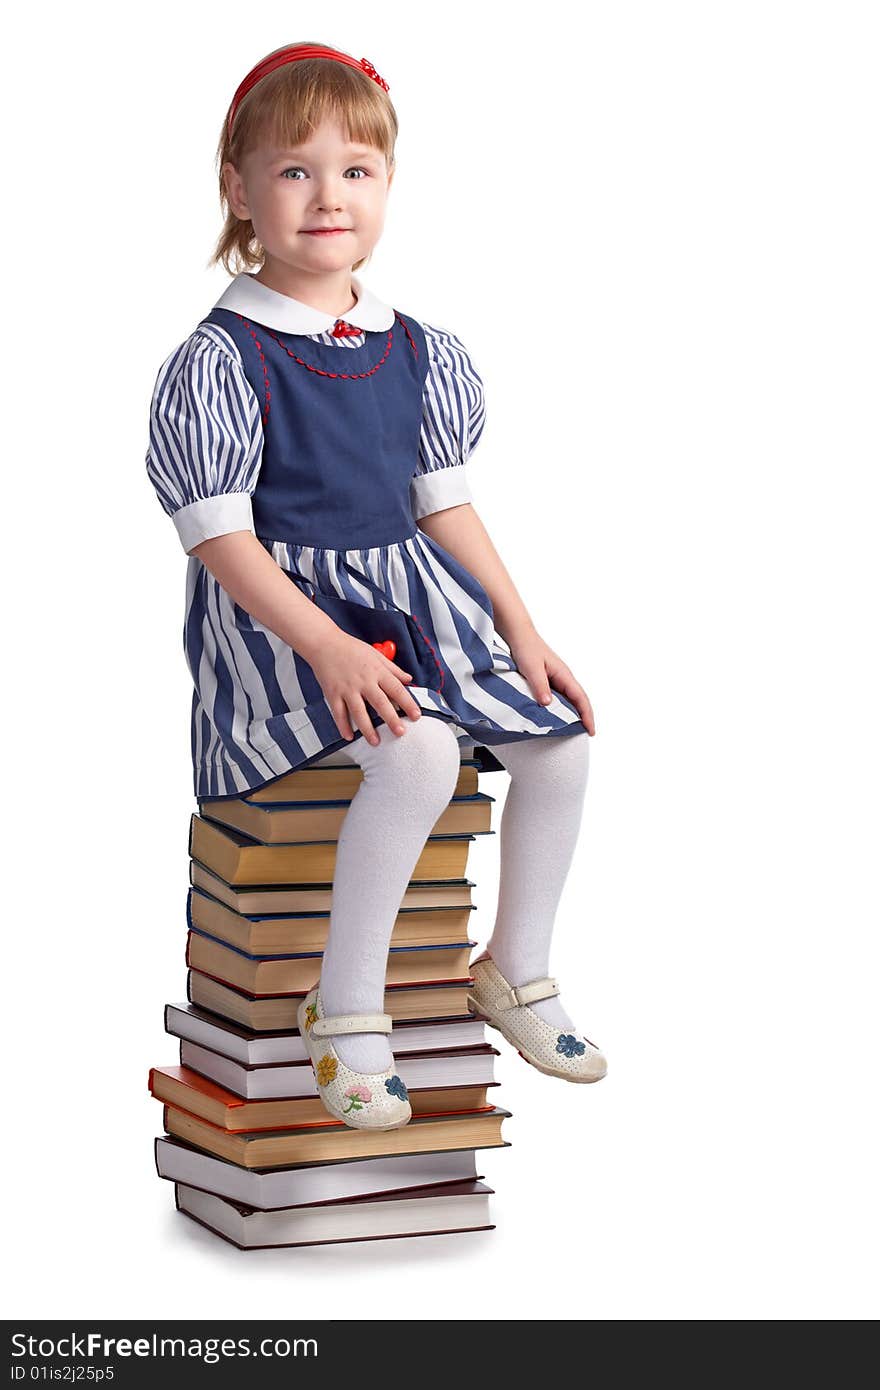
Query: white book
{"points": [[443, 1211], [259, 1049], [267, 1189], [461, 1067]]}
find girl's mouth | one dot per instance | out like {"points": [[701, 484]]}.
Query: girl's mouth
{"points": [[326, 231]]}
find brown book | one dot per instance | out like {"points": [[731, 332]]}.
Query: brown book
{"points": [[238, 859], [300, 899], [190, 1091], [282, 823], [277, 1012], [320, 1143], [340, 782], [297, 975], [272, 935]]}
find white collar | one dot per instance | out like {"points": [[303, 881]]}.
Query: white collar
{"points": [[252, 298]]}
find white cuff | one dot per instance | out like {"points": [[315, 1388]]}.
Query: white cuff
{"points": [[438, 489], [213, 516]]}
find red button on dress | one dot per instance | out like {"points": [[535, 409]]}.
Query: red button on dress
{"points": [[388, 649], [341, 329]]}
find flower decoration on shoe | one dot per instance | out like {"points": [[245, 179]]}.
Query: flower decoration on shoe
{"points": [[327, 1069], [358, 1097], [506, 1007]]}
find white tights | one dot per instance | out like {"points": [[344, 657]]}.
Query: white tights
{"points": [[408, 782]]}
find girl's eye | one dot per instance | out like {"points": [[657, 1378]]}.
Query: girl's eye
{"points": [[297, 169]]}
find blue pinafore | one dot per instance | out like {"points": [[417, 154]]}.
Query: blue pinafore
{"points": [[339, 446], [332, 504]]}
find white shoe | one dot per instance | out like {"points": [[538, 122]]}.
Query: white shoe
{"points": [[362, 1100], [551, 1049]]}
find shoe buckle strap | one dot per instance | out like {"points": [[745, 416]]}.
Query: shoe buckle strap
{"points": [[518, 995], [350, 1023]]}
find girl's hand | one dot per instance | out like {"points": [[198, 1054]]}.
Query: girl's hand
{"points": [[542, 668], [350, 672]]}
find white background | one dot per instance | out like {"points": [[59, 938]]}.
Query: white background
{"points": [[655, 226]]}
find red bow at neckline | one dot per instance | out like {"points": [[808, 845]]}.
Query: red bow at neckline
{"points": [[341, 329]]}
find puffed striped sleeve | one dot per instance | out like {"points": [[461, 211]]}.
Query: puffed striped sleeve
{"points": [[453, 414], [205, 441]]}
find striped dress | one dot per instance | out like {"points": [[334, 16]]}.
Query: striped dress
{"points": [[238, 441]]}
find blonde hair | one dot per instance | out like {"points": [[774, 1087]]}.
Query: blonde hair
{"points": [[285, 108]]}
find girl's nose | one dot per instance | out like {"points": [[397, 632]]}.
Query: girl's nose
{"points": [[330, 195]]}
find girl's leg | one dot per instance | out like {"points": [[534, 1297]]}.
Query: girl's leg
{"points": [[539, 831], [408, 782]]}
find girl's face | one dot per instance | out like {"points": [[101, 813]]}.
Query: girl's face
{"points": [[291, 194]]}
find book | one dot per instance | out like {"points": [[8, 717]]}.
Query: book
{"points": [[266, 1189], [339, 781], [189, 1091], [251, 1049], [297, 973], [298, 823], [484, 757], [277, 1011], [241, 860], [276, 933], [469, 751], [449, 1210], [280, 1148], [455, 1066], [300, 899]]}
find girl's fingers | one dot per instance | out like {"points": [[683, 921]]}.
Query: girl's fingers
{"points": [[393, 666], [384, 708], [568, 686], [544, 682], [401, 696], [340, 717], [537, 679], [361, 719], [399, 672]]}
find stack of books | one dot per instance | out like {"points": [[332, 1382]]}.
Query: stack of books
{"points": [[251, 1150]]}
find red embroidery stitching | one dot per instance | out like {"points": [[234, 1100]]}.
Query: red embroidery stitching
{"points": [[431, 649], [408, 334], [258, 346], [319, 371]]}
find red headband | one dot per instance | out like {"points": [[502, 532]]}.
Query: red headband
{"points": [[291, 55]]}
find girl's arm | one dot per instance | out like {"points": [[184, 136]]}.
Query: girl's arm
{"points": [[350, 672], [244, 568], [460, 531], [204, 457]]}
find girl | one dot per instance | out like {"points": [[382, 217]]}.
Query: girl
{"points": [[309, 442]]}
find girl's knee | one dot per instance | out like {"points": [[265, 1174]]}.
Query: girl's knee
{"points": [[563, 761], [430, 749], [425, 758]]}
